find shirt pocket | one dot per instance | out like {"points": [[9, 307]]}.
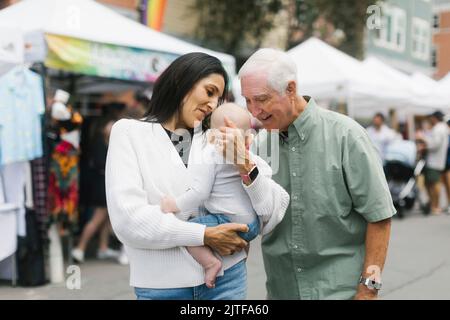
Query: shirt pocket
{"points": [[330, 193]]}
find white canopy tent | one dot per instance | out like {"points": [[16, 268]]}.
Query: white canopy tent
{"points": [[444, 89], [327, 73], [401, 81], [415, 94], [445, 81], [421, 93], [90, 21], [427, 92]]}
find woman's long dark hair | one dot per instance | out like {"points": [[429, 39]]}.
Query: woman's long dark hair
{"points": [[178, 80]]}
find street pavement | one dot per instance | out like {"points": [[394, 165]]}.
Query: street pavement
{"points": [[417, 267]]}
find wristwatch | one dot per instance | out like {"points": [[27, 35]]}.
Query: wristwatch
{"points": [[369, 283], [251, 176], [253, 173]]}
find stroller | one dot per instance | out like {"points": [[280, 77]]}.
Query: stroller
{"points": [[401, 172]]}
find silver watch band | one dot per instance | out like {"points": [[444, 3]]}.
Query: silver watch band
{"points": [[369, 283]]}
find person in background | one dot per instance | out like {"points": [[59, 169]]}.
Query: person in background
{"points": [[436, 146], [380, 134], [138, 108], [446, 174], [99, 221]]}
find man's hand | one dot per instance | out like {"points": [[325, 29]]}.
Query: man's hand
{"points": [[377, 241], [168, 205], [364, 293], [224, 239]]}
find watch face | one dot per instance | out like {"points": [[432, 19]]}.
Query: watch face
{"points": [[254, 173], [371, 284]]}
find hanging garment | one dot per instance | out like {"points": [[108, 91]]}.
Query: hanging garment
{"points": [[14, 177], [21, 106], [15, 185], [8, 226], [63, 186], [30, 254], [40, 194]]}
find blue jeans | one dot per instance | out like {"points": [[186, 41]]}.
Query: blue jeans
{"points": [[212, 220], [231, 286]]}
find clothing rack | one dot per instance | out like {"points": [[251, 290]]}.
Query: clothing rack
{"points": [[9, 207], [25, 201]]}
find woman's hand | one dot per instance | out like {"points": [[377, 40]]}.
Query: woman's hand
{"points": [[224, 238], [168, 205]]}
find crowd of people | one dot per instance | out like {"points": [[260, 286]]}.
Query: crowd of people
{"points": [[432, 141]]}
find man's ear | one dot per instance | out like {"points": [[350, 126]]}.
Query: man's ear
{"points": [[291, 88]]}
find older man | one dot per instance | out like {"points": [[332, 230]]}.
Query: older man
{"points": [[333, 241]]}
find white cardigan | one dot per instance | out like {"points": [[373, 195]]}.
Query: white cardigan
{"points": [[141, 167]]}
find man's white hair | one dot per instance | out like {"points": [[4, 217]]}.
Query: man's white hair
{"points": [[276, 64]]}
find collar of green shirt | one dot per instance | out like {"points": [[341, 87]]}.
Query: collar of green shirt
{"points": [[303, 125]]}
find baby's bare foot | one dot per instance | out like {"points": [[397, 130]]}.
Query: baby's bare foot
{"points": [[211, 272]]}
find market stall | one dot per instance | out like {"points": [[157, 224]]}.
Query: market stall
{"points": [[331, 75], [91, 52], [85, 37]]}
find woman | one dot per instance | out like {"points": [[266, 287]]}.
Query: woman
{"points": [[148, 160], [99, 221]]}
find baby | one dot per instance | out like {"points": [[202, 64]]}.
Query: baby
{"points": [[218, 186]]}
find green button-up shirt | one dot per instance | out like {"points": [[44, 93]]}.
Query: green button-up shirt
{"points": [[334, 177]]}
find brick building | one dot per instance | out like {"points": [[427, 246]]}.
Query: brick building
{"points": [[441, 38]]}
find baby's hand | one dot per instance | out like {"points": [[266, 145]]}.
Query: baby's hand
{"points": [[168, 205]]}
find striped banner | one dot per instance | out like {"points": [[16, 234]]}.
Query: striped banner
{"points": [[153, 13]]}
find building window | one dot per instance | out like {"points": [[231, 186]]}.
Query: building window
{"points": [[436, 21], [421, 39], [392, 34], [434, 61]]}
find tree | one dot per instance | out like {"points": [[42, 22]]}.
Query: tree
{"points": [[233, 25], [302, 15], [342, 23], [227, 25], [350, 16]]}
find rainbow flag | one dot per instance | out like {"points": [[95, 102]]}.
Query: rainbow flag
{"points": [[153, 13]]}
